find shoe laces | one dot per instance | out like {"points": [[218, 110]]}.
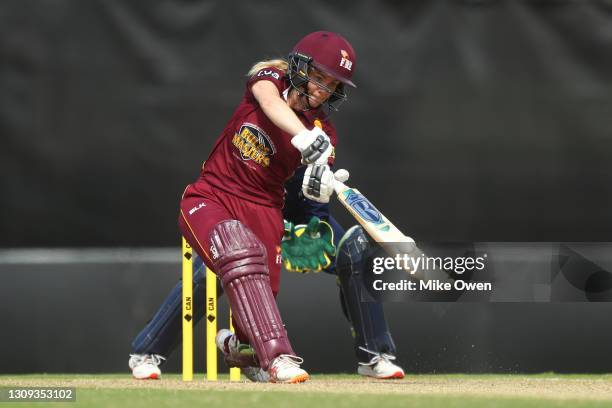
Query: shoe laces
{"points": [[155, 359], [376, 357], [288, 361]]}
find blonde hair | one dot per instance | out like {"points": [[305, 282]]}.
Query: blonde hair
{"points": [[276, 63]]}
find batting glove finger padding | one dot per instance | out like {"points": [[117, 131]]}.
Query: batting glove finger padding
{"points": [[314, 145], [318, 183]]}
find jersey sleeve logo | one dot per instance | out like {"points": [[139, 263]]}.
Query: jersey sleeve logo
{"points": [[254, 144], [268, 73]]}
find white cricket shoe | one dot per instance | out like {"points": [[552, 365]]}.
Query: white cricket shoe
{"points": [[145, 366], [236, 352], [381, 367], [286, 369]]}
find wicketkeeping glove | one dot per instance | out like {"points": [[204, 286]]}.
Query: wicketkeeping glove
{"points": [[308, 248]]}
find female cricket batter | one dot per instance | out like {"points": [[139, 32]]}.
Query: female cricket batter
{"points": [[232, 215]]}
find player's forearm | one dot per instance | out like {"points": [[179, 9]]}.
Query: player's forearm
{"points": [[277, 110], [314, 145]]}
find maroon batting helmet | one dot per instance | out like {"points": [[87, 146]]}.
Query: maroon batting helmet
{"points": [[328, 52]]}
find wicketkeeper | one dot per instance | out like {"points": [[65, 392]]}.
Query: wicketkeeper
{"points": [[321, 244]]}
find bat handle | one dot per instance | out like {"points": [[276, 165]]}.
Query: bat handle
{"points": [[339, 186], [340, 177]]}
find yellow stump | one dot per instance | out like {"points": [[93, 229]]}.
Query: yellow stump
{"points": [[234, 371], [210, 316], [187, 312], [211, 325]]}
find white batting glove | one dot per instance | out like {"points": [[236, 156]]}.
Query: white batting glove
{"points": [[318, 183], [314, 145]]}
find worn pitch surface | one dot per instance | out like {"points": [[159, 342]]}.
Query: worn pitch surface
{"points": [[474, 390]]}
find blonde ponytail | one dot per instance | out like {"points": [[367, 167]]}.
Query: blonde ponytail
{"points": [[276, 63]]}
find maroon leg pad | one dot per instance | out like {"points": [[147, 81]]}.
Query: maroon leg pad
{"points": [[240, 260]]}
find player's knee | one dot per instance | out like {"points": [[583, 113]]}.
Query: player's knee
{"points": [[352, 251], [236, 251]]}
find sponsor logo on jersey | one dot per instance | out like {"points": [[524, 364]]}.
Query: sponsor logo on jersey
{"points": [[253, 144], [196, 208], [268, 73], [345, 62]]}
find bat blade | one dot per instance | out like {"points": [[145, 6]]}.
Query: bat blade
{"points": [[373, 221], [390, 238]]}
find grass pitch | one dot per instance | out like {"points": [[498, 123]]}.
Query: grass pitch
{"points": [[322, 391]]}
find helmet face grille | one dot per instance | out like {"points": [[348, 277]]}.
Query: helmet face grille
{"points": [[297, 73]]}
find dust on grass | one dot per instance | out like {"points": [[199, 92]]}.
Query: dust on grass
{"points": [[557, 388]]}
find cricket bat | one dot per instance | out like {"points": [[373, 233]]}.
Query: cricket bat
{"points": [[374, 222]]}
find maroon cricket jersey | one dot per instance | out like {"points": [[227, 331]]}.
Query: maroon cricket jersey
{"points": [[253, 158]]}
